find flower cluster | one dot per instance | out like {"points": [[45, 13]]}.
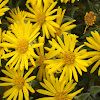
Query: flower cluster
{"points": [[38, 38]]}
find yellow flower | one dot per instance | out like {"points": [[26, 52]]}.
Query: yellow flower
{"points": [[2, 10], [94, 43], [19, 83], [43, 16], [63, 27], [19, 39], [89, 18], [17, 16], [69, 58], [57, 90], [43, 57], [65, 1]]}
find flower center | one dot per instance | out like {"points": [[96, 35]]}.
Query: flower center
{"points": [[61, 96], [90, 18], [23, 45], [41, 17], [19, 82], [69, 57], [58, 32], [40, 62]]}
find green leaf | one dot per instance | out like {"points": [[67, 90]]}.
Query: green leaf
{"points": [[10, 4], [82, 96], [31, 98], [94, 90], [90, 98], [35, 84], [73, 11], [91, 6], [67, 18]]}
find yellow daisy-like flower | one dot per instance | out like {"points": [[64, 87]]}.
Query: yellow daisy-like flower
{"points": [[19, 39], [94, 43], [17, 16], [57, 90], [2, 4], [43, 16], [69, 58], [19, 83], [63, 27], [65, 1], [43, 57], [89, 18]]}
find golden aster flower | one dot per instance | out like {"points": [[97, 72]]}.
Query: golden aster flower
{"points": [[94, 43], [20, 40], [69, 59], [2, 4], [17, 16], [65, 1], [18, 82], [63, 27], [43, 57], [42, 16], [57, 90], [89, 18]]}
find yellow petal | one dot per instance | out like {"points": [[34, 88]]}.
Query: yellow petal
{"points": [[26, 93], [95, 66], [30, 79], [20, 97], [29, 72], [45, 92], [29, 88]]}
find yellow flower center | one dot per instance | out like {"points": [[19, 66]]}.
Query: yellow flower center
{"points": [[61, 96], [58, 32], [23, 46], [41, 17], [40, 62], [19, 82], [90, 18], [69, 57]]}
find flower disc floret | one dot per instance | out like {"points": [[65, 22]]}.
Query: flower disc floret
{"points": [[23, 46], [41, 17], [19, 82], [61, 96], [69, 57], [90, 18]]}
